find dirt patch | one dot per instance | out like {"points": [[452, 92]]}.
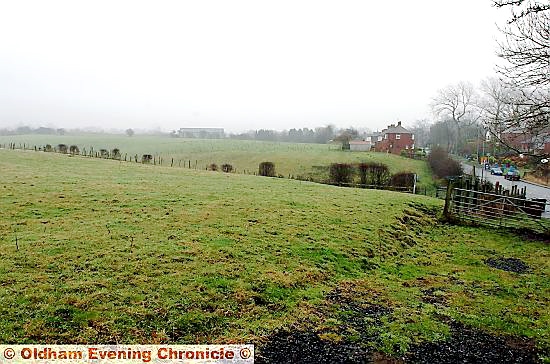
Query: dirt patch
{"points": [[350, 333], [351, 338], [468, 345], [508, 264], [434, 295], [355, 315], [307, 347]]}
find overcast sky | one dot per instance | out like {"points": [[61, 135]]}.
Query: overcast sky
{"points": [[237, 64]]}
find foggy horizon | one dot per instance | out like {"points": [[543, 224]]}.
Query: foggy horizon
{"points": [[240, 66]]}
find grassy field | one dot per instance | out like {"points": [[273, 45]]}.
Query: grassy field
{"points": [[100, 251], [291, 159]]}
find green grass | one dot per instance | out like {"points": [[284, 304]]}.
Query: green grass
{"points": [[120, 252], [291, 159]]}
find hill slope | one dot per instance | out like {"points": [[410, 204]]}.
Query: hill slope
{"points": [[102, 251], [291, 159]]}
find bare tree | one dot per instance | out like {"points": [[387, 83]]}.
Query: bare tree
{"points": [[457, 104], [526, 98], [526, 47], [493, 105], [442, 134], [421, 131], [516, 117]]}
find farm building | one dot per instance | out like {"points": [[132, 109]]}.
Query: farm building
{"points": [[395, 139], [203, 133]]}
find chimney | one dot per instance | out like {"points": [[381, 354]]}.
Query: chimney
{"points": [[398, 123]]}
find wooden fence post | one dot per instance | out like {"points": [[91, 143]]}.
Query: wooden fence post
{"points": [[448, 196]]}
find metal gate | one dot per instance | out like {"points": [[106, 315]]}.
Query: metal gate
{"points": [[500, 210]]}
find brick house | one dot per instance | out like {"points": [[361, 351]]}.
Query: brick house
{"points": [[395, 139], [527, 143]]}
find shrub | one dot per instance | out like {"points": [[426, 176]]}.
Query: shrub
{"points": [[346, 145], [362, 169], [374, 174], [48, 148], [442, 165], [227, 168], [62, 148], [104, 153], [146, 158], [267, 169], [402, 179], [419, 154], [73, 149], [213, 167], [115, 153], [341, 173]]}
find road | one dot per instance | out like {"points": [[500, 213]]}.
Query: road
{"points": [[533, 191]]}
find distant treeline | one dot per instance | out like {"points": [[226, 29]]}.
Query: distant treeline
{"points": [[321, 135], [23, 130]]}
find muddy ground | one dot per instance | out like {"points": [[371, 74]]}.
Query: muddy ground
{"points": [[465, 344]]}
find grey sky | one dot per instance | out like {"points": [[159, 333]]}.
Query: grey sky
{"points": [[237, 64]]}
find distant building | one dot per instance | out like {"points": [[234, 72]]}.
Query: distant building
{"points": [[366, 144], [202, 133], [375, 137], [360, 145], [394, 139], [526, 142]]}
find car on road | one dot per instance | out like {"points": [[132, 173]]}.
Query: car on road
{"points": [[496, 171], [512, 175]]}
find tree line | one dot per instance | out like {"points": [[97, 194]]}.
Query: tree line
{"points": [[321, 135]]}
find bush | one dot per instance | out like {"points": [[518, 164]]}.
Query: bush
{"points": [[419, 154], [48, 148], [115, 153], [341, 173], [442, 165], [267, 169], [104, 153], [362, 169], [227, 168], [73, 149], [402, 179], [374, 174], [146, 158], [213, 167], [62, 148]]}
